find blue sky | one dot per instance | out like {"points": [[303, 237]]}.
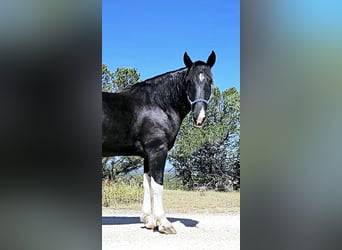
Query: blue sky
{"points": [[152, 36]]}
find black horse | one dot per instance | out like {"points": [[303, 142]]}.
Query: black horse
{"points": [[144, 120]]}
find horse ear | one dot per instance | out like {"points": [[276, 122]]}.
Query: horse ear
{"points": [[187, 60], [211, 59]]}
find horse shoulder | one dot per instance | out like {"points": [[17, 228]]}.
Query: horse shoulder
{"points": [[159, 125]]}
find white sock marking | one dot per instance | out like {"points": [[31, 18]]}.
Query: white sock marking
{"points": [[157, 190], [146, 207]]}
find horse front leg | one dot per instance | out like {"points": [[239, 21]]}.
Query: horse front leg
{"points": [[147, 217], [164, 226], [156, 161]]}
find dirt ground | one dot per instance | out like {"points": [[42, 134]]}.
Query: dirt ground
{"points": [[123, 230]]}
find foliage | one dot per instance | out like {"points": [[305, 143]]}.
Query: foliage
{"points": [[118, 80], [108, 83], [172, 182], [120, 165], [210, 156]]}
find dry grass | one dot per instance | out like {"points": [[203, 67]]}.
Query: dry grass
{"points": [[121, 196], [194, 201]]}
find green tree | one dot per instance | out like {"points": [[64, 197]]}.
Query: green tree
{"points": [[108, 84], [124, 77], [118, 80], [211, 156]]}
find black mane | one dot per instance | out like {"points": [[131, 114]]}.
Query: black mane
{"points": [[165, 90]]}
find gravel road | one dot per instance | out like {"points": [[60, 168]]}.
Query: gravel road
{"points": [[123, 230]]}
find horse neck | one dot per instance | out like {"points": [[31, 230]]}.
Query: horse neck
{"points": [[171, 89], [179, 100]]}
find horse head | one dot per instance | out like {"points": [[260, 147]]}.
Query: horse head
{"points": [[199, 80]]}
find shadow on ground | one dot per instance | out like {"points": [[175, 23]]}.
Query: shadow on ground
{"points": [[124, 220]]}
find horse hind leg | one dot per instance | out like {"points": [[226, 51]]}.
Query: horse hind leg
{"points": [[146, 216]]}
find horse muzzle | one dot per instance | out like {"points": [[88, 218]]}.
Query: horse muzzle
{"points": [[199, 119]]}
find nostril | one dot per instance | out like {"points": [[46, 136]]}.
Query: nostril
{"points": [[199, 121]]}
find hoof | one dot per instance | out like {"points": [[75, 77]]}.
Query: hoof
{"points": [[167, 229], [164, 226], [148, 221]]}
